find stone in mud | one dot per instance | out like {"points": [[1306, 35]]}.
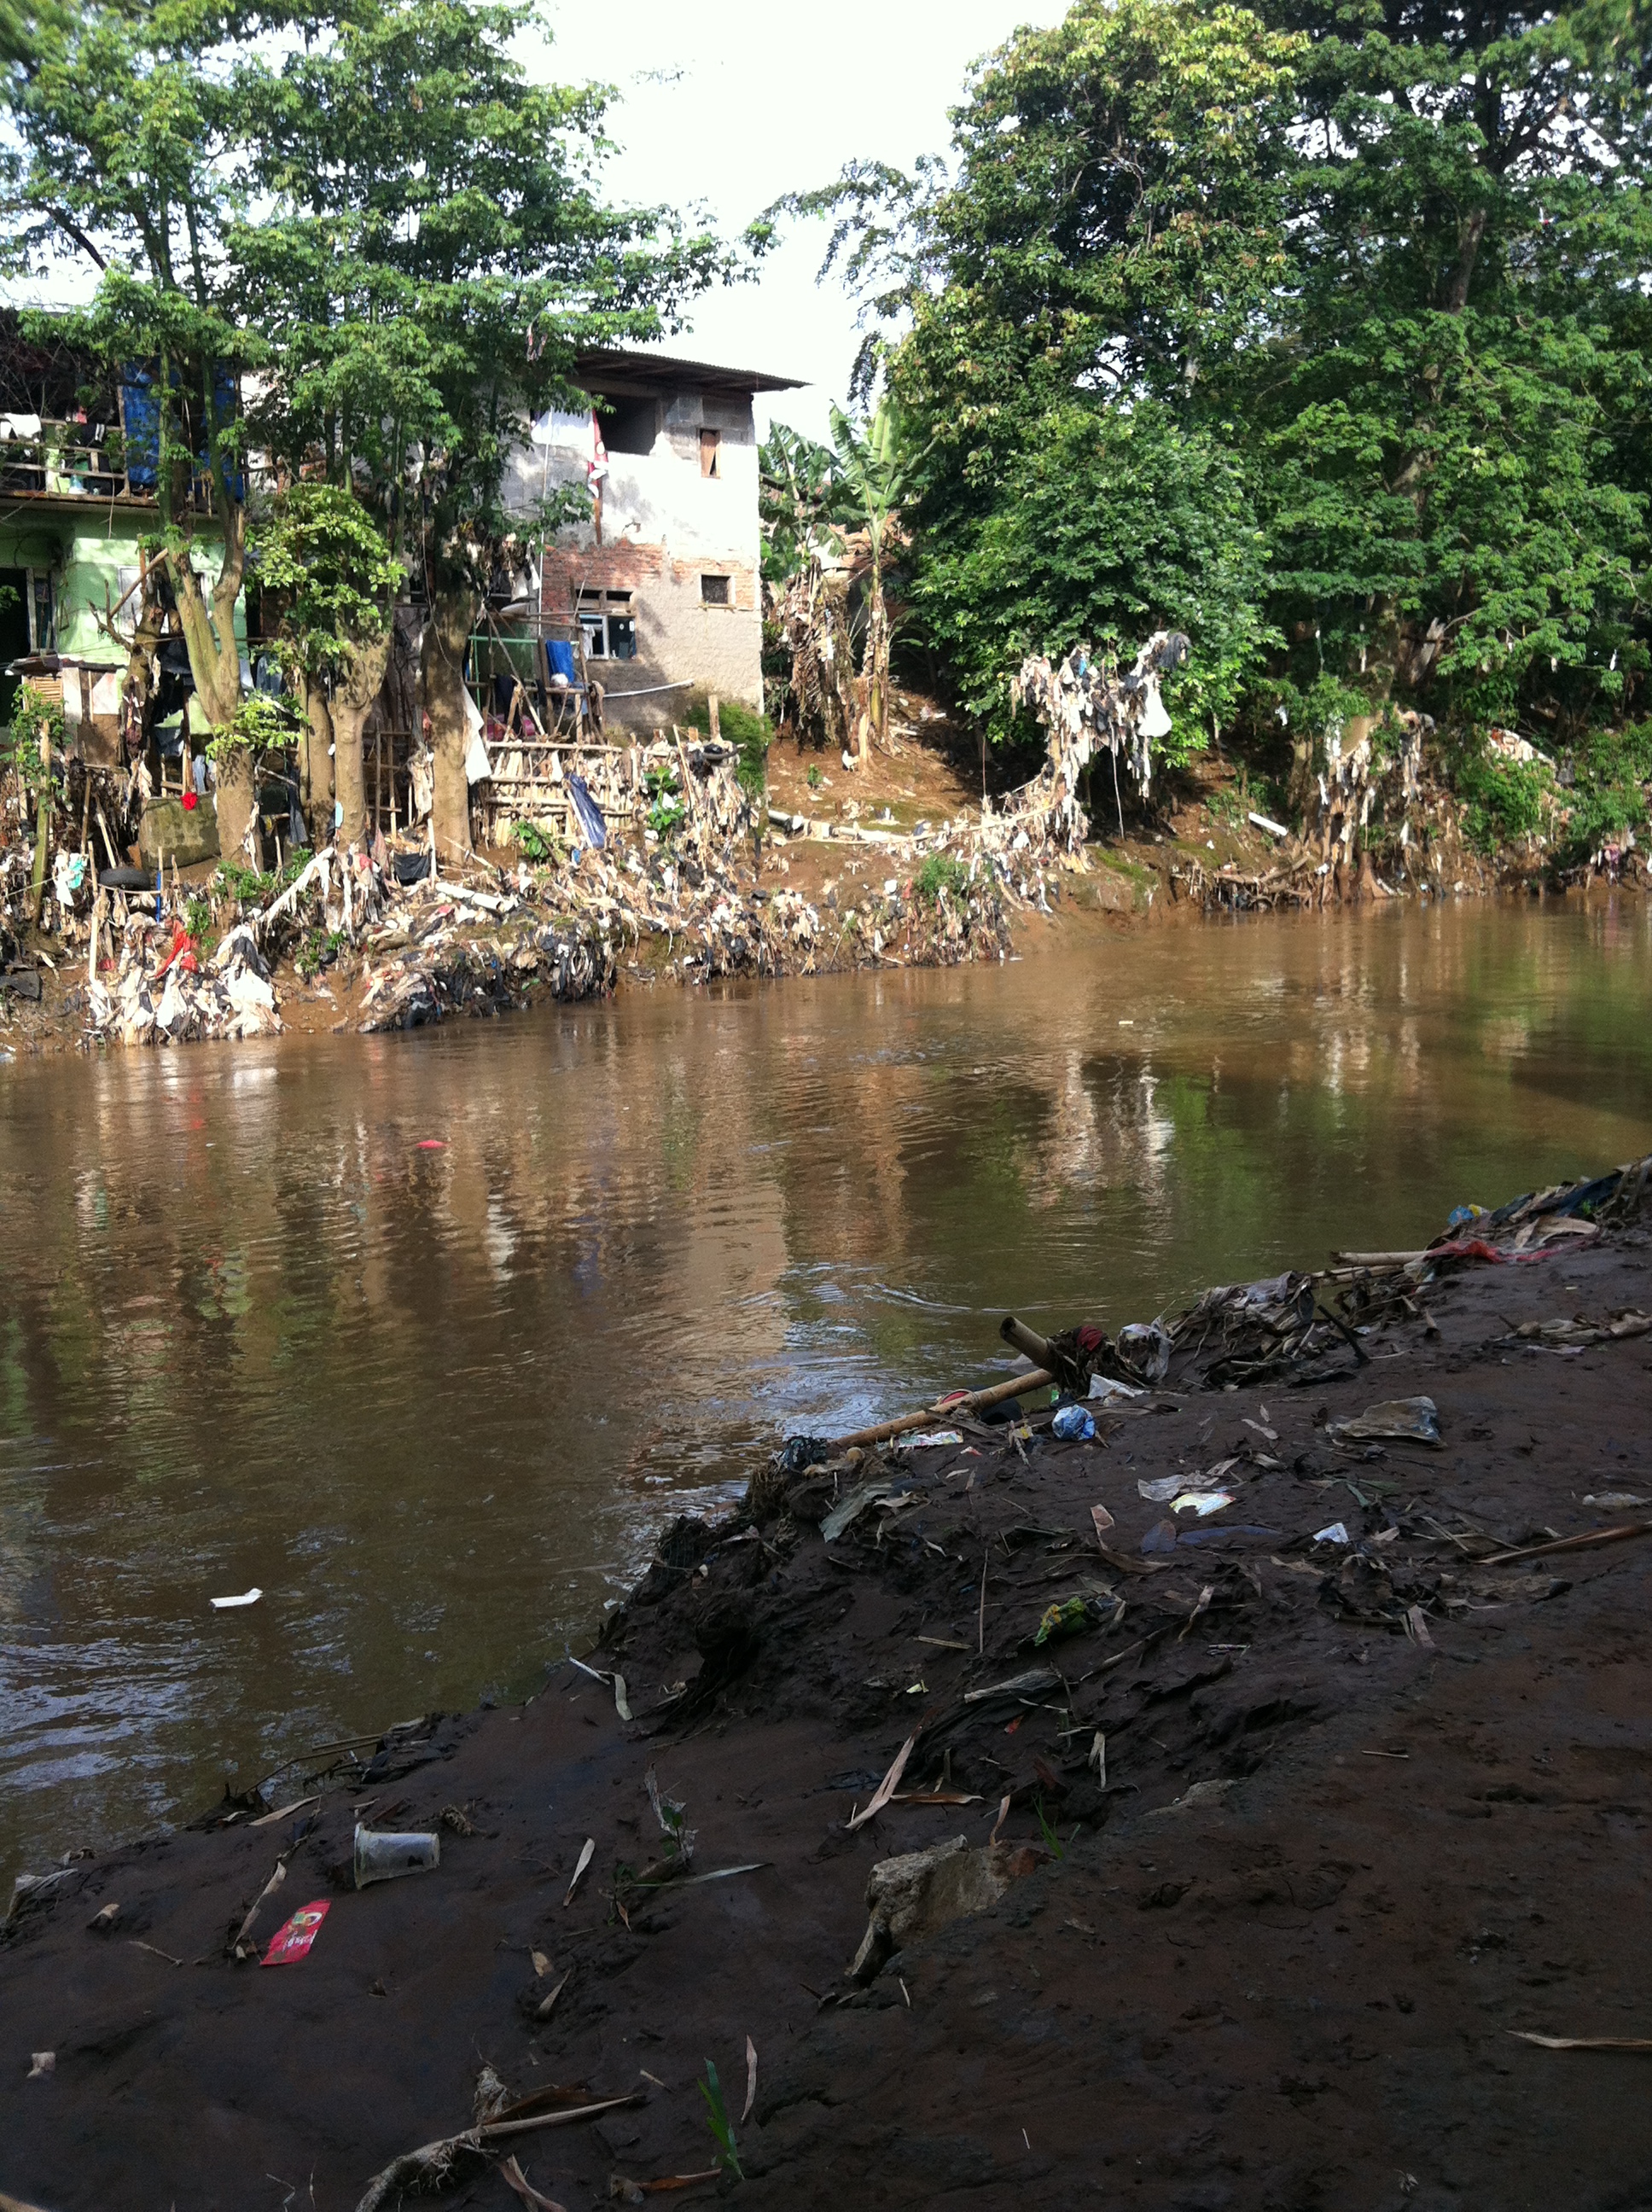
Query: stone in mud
{"points": [[920, 1892]]}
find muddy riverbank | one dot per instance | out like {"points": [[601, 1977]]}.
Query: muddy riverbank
{"points": [[1364, 1814]]}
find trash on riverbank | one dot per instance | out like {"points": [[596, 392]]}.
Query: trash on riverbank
{"points": [[292, 1943], [1398, 1420], [384, 1855]]}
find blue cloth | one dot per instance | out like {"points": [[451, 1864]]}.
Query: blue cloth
{"points": [[590, 814], [560, 653]]}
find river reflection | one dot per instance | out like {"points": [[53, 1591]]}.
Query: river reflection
{"points": [[417, 1334]]}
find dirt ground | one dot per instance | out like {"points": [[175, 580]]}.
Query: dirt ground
{"points": [[1278, 1956]]}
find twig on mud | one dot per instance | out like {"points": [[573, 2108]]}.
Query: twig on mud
{"points": [[433, 2162], [1571, 1543]]}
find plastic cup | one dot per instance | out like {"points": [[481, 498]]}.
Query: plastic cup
{"points": [[381, 1855]]}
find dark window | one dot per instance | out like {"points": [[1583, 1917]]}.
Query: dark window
{"points": [[711, 446], [714, 591], [631, 426]]}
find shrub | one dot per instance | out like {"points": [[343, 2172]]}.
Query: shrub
{"points": [[941, 872]]}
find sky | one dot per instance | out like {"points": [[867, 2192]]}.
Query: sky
{"points": [[733, 107]]}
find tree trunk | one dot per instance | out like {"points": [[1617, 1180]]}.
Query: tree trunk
{"points": [[1300, 788], [352, 702], [876, 718], [315, 758], [214, 662], [445, 639], [237, 804]]}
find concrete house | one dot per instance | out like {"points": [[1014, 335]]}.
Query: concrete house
{"points": [[663, 580]]}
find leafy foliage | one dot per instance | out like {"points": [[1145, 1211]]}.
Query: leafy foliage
{"points": [[666, 813], [1317, 330], [722, 2127], [940, 873], [1611, 779], [325, 558], [20, 741], [260, 723], [1506, 800]]}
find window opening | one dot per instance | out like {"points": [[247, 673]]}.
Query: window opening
{"points": [[631, 426], [609, 625], [711, 448], [714, 590]]}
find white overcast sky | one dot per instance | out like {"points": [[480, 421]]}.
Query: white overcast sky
{"points": [[736, 104]]}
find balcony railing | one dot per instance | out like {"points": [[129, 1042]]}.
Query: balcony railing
{"points": [[64, 460]]}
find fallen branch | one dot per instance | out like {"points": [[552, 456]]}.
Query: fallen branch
{"points": [[432, 2164], [1570, 1543]]}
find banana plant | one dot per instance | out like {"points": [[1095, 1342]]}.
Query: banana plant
{"points": [[874, 479]]}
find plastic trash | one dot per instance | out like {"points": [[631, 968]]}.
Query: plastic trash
{"points": [[382, 1854], [1401, 1420], [800, 1452], [292, 1943], [228, 1604], [589, 814], [1201, 1502], [1336, 1534], [1063, 1620], [1073, 1426], [1104, 1387], [927, 1439]]}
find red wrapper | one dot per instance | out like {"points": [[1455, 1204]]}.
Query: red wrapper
{"points": [[291, 1943]]}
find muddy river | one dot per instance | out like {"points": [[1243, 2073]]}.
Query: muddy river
{"points": [[420, 1336]]}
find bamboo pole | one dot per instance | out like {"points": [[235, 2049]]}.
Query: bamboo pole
{"points": [[966, 1402]]}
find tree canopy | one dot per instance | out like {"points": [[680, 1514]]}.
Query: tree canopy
{"points": [[1316, 328], [377, 207]]}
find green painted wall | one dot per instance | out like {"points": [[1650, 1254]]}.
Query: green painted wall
{"points": [[87, 558]]}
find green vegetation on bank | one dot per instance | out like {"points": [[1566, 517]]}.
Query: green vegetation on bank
{"points": [[1318, 329]]}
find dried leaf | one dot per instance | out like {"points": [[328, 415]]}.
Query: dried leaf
{"points": [[512, 2172], [586, 1858], [750, 2080], [886, 1789], [1582, 2042]]}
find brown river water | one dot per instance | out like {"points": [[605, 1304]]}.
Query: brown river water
{"points": [[423, 1335]]}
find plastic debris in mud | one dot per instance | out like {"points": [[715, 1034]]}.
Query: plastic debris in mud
{"points": [[384, 1855]]}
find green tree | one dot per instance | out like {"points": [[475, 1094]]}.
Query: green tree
{"points": [[1335, 313], [431, 253], [129, 127], [324, 558], [1115, 222]]}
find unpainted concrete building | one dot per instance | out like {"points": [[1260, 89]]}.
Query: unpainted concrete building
{"points": [[663, 578]]}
